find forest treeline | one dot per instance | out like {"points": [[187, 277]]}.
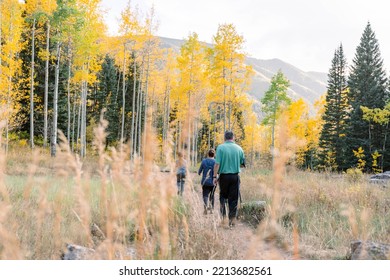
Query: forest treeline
{"points": [[60, 71]]}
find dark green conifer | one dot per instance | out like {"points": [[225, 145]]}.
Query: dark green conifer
{"points": [[332, 138], [367, 87]]}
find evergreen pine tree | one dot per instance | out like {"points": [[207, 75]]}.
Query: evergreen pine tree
{"points": [[367, 87], [332, 138], [107, 98]]}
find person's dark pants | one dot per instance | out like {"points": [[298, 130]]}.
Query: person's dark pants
{"points": [[180, 184], [229, 191], [208, 192]]}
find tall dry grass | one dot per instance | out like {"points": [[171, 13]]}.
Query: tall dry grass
{"points": [[128, 209]]}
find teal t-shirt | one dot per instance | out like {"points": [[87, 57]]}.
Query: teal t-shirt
{"points": [[229, 156]]}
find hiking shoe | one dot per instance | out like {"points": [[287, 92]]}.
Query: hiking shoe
{"points": [[232, 223], [205, 211]]}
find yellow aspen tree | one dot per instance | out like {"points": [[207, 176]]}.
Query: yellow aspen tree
{"points": [[145, 52], [48, 7], [228, 72], [38, 11], [314, 126], [166, 83], [252, 142], [381, 117], [191, 89], [33, 10], [150, 55], [64, 23], [129, 29], [11, 24], [87, 57], [297, 121]]}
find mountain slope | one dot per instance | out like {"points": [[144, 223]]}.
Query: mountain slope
{"points": [[307, 85]]}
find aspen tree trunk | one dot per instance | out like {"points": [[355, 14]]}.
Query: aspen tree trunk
{"points": [[73, 124], [190, 111], [384, 145], [7, 118], [209, 134], [55, 103], [123, 97], [79, 122], [84, 115], [142, 100], [176, 140], [83, 152], [82, 134], [116, 98], [68, 88], [32, 86], [137, 143], [196, 145], [46, 94], [224, 99], [231, 99], [252, 152], [214, 133], [166, 112], [189, 130], [193, 144], [133, 108], [146, 95], [273, 134], [163, 122]]}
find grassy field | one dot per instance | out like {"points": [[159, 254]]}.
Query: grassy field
{"points": [[129, 209]]}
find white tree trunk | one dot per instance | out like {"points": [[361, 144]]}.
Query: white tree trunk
{"points": [[68, 88], [55, 103], [83, 133], [137, 142], [132, 138], [46, 94], [32, 86], [123, 98]]}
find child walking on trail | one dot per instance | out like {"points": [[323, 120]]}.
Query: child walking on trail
{"points": [[207, 170], [181, 171]]}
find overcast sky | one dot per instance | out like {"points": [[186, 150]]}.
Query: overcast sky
{"points": [[304, 33]]}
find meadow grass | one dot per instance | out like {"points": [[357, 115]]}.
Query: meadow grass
{"points": [[128, 209]]}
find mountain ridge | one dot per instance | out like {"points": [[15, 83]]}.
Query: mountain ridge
{"points": [[306, 85]]}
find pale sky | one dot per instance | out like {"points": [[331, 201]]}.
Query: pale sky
{"points": [[304, 33]]}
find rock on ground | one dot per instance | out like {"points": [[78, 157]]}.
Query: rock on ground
{"points": [[369, 250], [381, 178], [77, 252]]}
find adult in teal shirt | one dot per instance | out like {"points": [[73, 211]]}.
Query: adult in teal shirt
{"points": [[229, 159]]}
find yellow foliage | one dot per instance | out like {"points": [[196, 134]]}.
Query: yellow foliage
{"points": [[359, 154], [354, 175], [375, 166], [11, 28]]}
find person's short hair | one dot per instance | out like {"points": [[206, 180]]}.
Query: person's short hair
{"points": [[229, 135], [211, 153]]}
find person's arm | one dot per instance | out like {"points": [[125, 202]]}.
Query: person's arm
{"points": [[200, 168], [215, 177], [242, 159]]}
